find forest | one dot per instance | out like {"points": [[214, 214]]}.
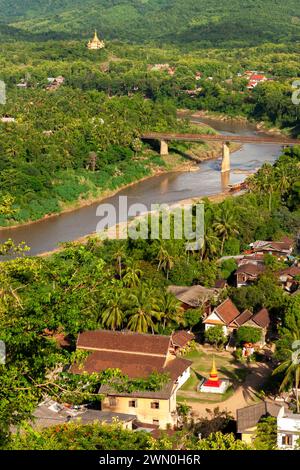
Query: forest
{"points": [[195, 23]]}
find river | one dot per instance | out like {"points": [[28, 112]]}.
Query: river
{"points": [[45, 235]]}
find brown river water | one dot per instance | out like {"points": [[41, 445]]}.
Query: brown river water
{"points": [[45, 235]]}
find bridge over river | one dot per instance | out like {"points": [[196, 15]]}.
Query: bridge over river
{"points": [[164, 138]]}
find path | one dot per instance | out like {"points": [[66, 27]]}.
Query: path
{"points": [[244, 394]]}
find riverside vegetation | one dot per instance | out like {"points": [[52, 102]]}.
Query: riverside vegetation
{"points": [[117, 285]]}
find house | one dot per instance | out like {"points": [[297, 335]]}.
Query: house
{"points": [[259, 320], [248, 273], [281, 249], [162, 68], [254, 78], [289, 278], [137, 356], [223, 315], [55, 83], [288, 430], [195, 296], [7, 119], [50, 413], [22, 84], [229, 317], [248, 418], [181, 339], [221, 284]]}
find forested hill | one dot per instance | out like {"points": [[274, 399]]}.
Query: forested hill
{"points": [[211, 22]]}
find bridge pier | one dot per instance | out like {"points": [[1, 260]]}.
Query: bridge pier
{"points": [[164, 148], [226, 158]]}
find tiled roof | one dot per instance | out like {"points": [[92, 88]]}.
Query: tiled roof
{"points": [[262, 318], [181, 338], [249, 416], [126, 341], [227, 311], [135, 355], [133, 365], [243, 317], [193, 296], [175, 367], [220, 283], [251, 269], [291, 271]]}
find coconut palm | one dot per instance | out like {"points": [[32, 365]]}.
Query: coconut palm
{"points": [[143, 311], [291, 366], [170, 309], [132, 274], [165, 260], [118, 255], [211, 244], [225, 226], [113, 315]]}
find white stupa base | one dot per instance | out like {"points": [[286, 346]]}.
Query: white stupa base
{"points": [[221, 389]]}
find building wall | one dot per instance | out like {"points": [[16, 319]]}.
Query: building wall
{"points": [[143, 410], [224, 328], [288, 426], [248, 435], [183, 378]]}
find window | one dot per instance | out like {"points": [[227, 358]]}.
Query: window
{"points": [[155, 405], [287, 440], [156, 422], [132, 403], [112, 401]]}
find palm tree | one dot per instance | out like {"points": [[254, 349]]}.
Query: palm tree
{"points": [[291, 366], [211, 244], [132, 274], [118, 256], [113, 315], [170, 309], [143, 312], [165, 260], [225, 226]]}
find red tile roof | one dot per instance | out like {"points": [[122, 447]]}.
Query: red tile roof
{"points": [[292, 271], [262, 318], [251, 269], [227, 311], [243, 317], [181, 338], [126, 341], [136, 355], [133, 365]]}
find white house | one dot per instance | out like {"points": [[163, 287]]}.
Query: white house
{"points": [[288, 430]]}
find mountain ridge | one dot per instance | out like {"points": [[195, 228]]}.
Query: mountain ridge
{"points": [[236, 22]]}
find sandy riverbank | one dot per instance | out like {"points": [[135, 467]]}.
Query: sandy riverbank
{"points": [[261, 127], [174, 163]]}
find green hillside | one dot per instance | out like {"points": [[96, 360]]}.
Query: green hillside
{"points": [[206, 22]]}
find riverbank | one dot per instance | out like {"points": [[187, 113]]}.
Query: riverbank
{"points": [[175, 165], [120, 227], [176, 161], [260, 127]]}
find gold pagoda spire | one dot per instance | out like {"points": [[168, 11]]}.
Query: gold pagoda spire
{"points": [[95, 43], [213, 373]]}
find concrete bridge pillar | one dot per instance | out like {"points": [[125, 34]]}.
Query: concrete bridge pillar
{"points": [[164, 148], [226, 158]]}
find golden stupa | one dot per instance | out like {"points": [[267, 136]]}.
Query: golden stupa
{"points": [[95, 43]]}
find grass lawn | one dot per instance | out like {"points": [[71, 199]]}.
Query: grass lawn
{"points": [[227, 367]]}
